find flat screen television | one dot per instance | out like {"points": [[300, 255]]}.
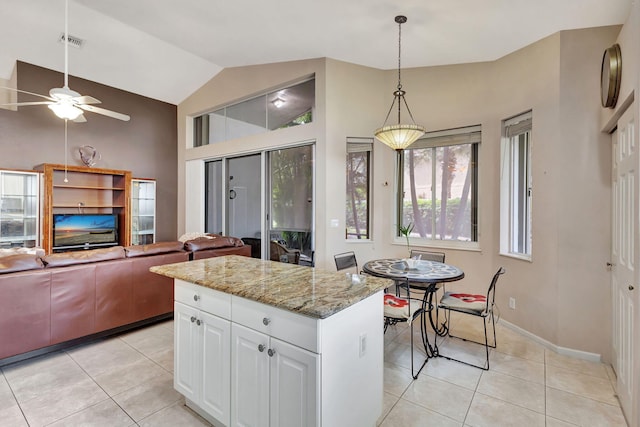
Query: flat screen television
{"points": [[84, 231]]}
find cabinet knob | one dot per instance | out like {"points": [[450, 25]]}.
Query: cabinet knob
{"points": [[193, 319], [631, 287], [266, 321], [196, 297], [261, 348], [198, 322], [271, 352]]}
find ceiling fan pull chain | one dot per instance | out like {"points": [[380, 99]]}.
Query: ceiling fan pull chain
{"points": [[65, 150]]}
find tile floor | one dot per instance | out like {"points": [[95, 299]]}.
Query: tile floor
{"points": [[127, 381]]}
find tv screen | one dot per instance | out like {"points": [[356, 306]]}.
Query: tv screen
{"points": [[84, 230]]}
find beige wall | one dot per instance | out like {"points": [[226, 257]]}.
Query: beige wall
{"points": [[146, 145], [562, 294]]}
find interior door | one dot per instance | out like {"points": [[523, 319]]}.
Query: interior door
{"points": [[625, 258]]}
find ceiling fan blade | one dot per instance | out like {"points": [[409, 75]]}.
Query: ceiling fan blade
{"points": [[80, 119], [22, 104], [28, 93], [86, 100], [104, 112]]}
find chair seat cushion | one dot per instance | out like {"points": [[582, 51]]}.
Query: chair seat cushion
{"points": [[475, 304], [399, 308]]}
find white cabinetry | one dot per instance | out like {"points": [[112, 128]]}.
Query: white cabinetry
{"points": [[272, 382], [275, 367], [202, 362]]}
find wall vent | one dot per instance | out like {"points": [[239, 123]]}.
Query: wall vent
{"points": [[73, 41]]}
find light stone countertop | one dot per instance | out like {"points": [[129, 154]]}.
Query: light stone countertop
{"points": [[304, 290]]}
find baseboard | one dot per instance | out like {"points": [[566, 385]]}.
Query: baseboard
{"points": [[578, 354]]}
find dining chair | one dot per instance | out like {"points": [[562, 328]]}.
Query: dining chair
{"points": [[474, 305], [397, 309], [438, 257]]}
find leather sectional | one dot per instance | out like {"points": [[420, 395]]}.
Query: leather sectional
{"points": [[55, 300]]}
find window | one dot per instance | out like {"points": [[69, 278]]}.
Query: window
{"points": [[358, 202], [515, 187], [283, 108], [438, 186]]}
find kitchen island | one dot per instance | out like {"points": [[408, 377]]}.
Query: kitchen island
{"points": [[263, 343]]}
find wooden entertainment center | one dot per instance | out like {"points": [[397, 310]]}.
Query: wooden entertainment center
{"points": [[79, 189]]}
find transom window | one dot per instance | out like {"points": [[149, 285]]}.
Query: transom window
{"points": [[283, 108], [438, 186]]}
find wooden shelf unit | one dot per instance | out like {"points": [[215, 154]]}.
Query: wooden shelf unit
{"points": [[88, 190]]}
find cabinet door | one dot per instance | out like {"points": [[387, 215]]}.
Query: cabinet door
{"points": [[187, 364], [249, 377], [295, 374], [216, 373]]}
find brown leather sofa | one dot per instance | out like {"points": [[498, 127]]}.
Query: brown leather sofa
{"points": [[61, 298]]}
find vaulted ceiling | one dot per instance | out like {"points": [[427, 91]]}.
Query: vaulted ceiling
{"points": [[167, 49]]}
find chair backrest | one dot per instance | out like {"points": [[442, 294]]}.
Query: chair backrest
{"points": [[428, 255], [491, 293], [346, 260]]}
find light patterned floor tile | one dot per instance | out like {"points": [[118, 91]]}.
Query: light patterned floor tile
{"points": [[453, 372], [12, 416], [440, 396], [396, 379], [487, 411], [513, 390], [124, 377], [517, 367], [388, 402], [582, 411], [174, 415], [141, 401], [584, 385], [104, 356], [103, 414], [577, 365], [407, 414]]}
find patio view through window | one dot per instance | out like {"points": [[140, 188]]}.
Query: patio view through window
{"points": [[438, 186], [358, 206]]}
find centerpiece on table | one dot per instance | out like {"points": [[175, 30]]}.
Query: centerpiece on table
{"points": [[412, 262]]}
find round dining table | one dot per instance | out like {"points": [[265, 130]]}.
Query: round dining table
{"points": [[425, 275]]}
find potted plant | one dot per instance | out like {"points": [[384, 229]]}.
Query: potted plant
{"points": [[406, 230]]}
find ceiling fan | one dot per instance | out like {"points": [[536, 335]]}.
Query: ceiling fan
{"points": [[64, 102]]}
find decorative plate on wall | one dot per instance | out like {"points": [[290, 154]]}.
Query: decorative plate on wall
{"points": [[610, 76]]}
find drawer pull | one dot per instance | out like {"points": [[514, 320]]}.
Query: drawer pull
{"points": [[271, 352], [193, 319], [266, 321], [196, 297], [261, 348]]}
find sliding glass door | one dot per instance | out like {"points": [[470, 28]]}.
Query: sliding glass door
{"points": [[290, 193], [260, 205]]}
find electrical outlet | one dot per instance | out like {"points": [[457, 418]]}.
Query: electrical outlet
{"points": [[512, 303], [363, 344]]}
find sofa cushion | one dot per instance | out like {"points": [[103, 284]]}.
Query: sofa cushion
{"points": [[213, 241], [153, 249], [192, 235], [19, 262], [82, 257], [15, 251]]}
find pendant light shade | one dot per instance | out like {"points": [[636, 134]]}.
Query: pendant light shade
{"points": [[399, 136]]}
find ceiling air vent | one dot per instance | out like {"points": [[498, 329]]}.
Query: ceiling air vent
{"points": [[72, 40]]}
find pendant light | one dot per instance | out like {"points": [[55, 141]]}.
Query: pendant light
{"points": [[399, 136]]}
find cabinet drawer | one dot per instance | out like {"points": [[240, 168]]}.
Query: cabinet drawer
{"points": [[205, 299], [285, 325]]}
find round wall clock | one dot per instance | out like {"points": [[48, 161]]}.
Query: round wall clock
{"points": [[610, 76]]}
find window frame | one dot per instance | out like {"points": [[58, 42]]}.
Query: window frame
{"points": [[449, 137], [516, 187], [360, 145]]}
